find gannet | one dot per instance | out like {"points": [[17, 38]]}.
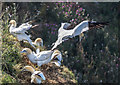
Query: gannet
{"points": [[38, 42], [20, 31], [37, 76], [64, 34], [44, 57]]}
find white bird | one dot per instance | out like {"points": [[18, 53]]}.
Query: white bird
{"points": [[44, 57], [64, 34], [38, 42], [37, 76], [20, 31]]}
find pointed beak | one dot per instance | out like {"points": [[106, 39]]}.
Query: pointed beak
{"points": [[42, 76]]}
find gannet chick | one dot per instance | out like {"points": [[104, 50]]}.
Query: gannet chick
{"points": [[44, 57], [64, 34], [37, 76], [20, 31]]}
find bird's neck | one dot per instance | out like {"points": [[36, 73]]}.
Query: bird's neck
{"points": [[12, 27], [32, 71], [62, 27]]}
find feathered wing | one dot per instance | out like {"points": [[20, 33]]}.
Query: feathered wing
{"points": [[46, 61], [30, 41], [59, 57], [80, 28], [49, 58], [44, 55], [22, 28], [23, 36], [42, 75], [63, 35], [37, 77], [86, 25], [57, 62]]}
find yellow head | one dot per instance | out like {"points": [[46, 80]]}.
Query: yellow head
{"points": [[57, 52], [27, 51], [39, 42], [13, 22], [29, 68], [38, 77]]}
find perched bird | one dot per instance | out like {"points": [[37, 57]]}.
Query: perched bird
{"points": [[37, 76], [65, 34], [38, 42], [44, 57], [20, 31]]}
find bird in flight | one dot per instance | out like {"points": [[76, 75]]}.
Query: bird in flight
{"points": [[64, 33]]}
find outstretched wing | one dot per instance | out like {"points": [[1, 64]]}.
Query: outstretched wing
{"points": [[63, 35], [22, 28], [80, 28]]}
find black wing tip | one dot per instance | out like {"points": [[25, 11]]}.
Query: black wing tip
{"points": [[95, 22]]}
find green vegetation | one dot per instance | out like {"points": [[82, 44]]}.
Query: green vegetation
{"points": [[93, 60]]}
